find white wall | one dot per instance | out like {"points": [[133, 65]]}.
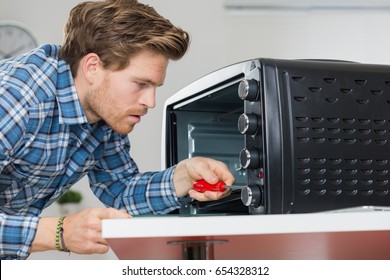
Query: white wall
{"points": [[360, 35], [219, 39], [46, 19]]}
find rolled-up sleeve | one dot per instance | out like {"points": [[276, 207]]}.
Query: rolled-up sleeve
{"points": [[16, 235]]}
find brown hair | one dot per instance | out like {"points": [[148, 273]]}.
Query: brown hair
{"points": [[116, 30]]}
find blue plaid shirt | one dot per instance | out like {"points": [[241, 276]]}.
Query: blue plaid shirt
{"points": [[47, 145]]}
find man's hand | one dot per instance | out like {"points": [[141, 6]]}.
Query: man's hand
{"points": [[82, 231], [190, 170]]}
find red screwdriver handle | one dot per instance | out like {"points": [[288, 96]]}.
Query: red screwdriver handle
{"points": [[202, 186]]}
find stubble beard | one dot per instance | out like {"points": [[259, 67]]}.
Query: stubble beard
{"points": [[94, 106]]}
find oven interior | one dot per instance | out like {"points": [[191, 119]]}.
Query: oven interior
{"points": [[206, 126]]}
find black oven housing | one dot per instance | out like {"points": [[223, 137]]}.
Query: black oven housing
{"points": [[301, 135]]}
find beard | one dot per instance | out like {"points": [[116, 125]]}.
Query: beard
{"points": [[100, 105]]}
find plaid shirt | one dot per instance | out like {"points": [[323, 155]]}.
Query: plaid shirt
{"points": [[47, 145]]}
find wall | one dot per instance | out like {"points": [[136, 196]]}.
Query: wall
{"points": [[219, 38], [360, 35], [46, 19]]}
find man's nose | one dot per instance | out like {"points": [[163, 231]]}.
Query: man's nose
{"points": [[148, 98]]}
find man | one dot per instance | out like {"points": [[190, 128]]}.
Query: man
{"points": [[65, 112]]}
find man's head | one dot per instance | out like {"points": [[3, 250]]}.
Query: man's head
{"points": [[116, 30], [118, 51]]}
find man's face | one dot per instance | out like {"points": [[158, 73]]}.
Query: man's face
{"points": [[122, 97]]}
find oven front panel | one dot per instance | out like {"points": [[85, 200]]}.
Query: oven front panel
{"points": [[323, 137]]}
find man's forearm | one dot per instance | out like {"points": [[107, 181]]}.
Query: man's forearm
{"points": [[45, 236]]}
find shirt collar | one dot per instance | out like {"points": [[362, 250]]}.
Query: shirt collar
{"points": [[69, 106]]}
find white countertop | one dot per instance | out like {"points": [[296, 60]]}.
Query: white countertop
{"points": [[158, 226], [346, 235]]}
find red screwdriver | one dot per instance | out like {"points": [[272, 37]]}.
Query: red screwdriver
{"points": [[202, 186]]}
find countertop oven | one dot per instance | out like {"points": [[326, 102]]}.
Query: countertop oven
{"points": [[299, 135]]}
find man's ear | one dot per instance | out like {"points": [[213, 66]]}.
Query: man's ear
{"points": [[90, 65]]}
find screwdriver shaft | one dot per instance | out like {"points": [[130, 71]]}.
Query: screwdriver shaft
{"points": [[234, 187]]}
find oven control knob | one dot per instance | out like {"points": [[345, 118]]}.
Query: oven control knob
{"points": [[248, 124], [251, 196], [248, 90], [250, 158]]}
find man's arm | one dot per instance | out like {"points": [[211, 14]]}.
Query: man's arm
{"points": [[117, 182], [45, 235]]}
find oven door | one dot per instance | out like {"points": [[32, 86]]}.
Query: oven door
{"points": [[201, 120]]}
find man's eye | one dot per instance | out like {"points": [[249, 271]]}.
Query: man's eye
{"points": [[142, 85]]}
